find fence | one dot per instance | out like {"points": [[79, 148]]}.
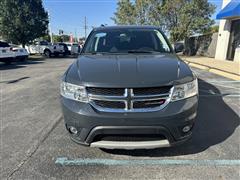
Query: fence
{"points": [[203, 45]]}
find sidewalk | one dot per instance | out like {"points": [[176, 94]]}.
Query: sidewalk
{"points": [[227, 69]]}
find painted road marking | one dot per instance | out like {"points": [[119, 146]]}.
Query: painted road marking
{"points": [[219, 83], [220, 95], [201, 81], [231, 87], [112, 162], [210, 93]]}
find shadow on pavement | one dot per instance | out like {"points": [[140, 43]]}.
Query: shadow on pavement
{"points": [[17, 65], [73, 56], [216, 122], [32, 60], [17, 80]]}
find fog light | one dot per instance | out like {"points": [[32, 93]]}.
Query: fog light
{"points": [[73, 130], [186, 129]]}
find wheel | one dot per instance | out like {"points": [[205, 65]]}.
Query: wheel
{"points": [[47, 53]]}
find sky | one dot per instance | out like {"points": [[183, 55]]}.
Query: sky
{"points": [[68, 15]]}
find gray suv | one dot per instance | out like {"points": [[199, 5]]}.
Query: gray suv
{"points": [[128, 90]]}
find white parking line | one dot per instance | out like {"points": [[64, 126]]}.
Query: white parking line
{"points": [[231, 87], [220, 81], [221, 95], [112, 162], [212, 93]]}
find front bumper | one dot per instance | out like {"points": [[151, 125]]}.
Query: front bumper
{"points": [[167, 123]]}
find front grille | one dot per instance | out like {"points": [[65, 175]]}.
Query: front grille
{"points": [[151, 91], [129, 99], [110, 104], [106, 91], [148, 104]]}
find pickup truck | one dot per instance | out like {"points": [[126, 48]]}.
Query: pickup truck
{"points": [[48, 49], [129, 90]]}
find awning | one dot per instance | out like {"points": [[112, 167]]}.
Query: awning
{"points": [[231, 10]]}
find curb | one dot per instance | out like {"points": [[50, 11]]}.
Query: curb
{"points": [[214, 70]]}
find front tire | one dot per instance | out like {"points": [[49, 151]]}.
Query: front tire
{"points": [[47, 53]]}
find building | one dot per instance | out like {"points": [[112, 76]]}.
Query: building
{"points": [[228, 44]]}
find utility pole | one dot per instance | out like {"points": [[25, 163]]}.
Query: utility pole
{"points": [[49, 27], [76, 35], [85, 27]]}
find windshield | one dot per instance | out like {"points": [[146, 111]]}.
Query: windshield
{"points": [[127, 41]]}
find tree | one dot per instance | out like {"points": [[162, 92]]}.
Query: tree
{"points": [[47, 37], [213, 29], [180, 18], [65, 38], [61, 38], [57, 38], [22, 21], [185, 18], [139, 13], [125, 13]]}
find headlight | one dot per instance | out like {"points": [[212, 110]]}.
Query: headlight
{"points": [[184, 91], [74, 92]]}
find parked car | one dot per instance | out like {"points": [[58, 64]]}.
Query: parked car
{"points": [[6, 54], [21, 54], [129, 90], [37, 47], [179, 46], [65, 47], [48, 49], [74, 48]]}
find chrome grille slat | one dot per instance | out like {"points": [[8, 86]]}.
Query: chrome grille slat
{"points": [[108, 98], [129, 99], [151, 96]]}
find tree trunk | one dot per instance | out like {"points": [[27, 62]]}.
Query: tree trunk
{"points": [[186, 47]]}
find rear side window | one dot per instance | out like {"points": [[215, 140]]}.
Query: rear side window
{"points": [[4, 44]]}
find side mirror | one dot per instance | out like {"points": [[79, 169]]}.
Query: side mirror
{"points": [[179, 47]]}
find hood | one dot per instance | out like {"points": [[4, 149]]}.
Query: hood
{"points": [[128, 70]]}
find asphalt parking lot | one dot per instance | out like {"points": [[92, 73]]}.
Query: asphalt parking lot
{"points": [[35, 144]]}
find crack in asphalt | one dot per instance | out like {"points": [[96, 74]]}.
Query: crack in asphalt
{"points": [[36, 144]]}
